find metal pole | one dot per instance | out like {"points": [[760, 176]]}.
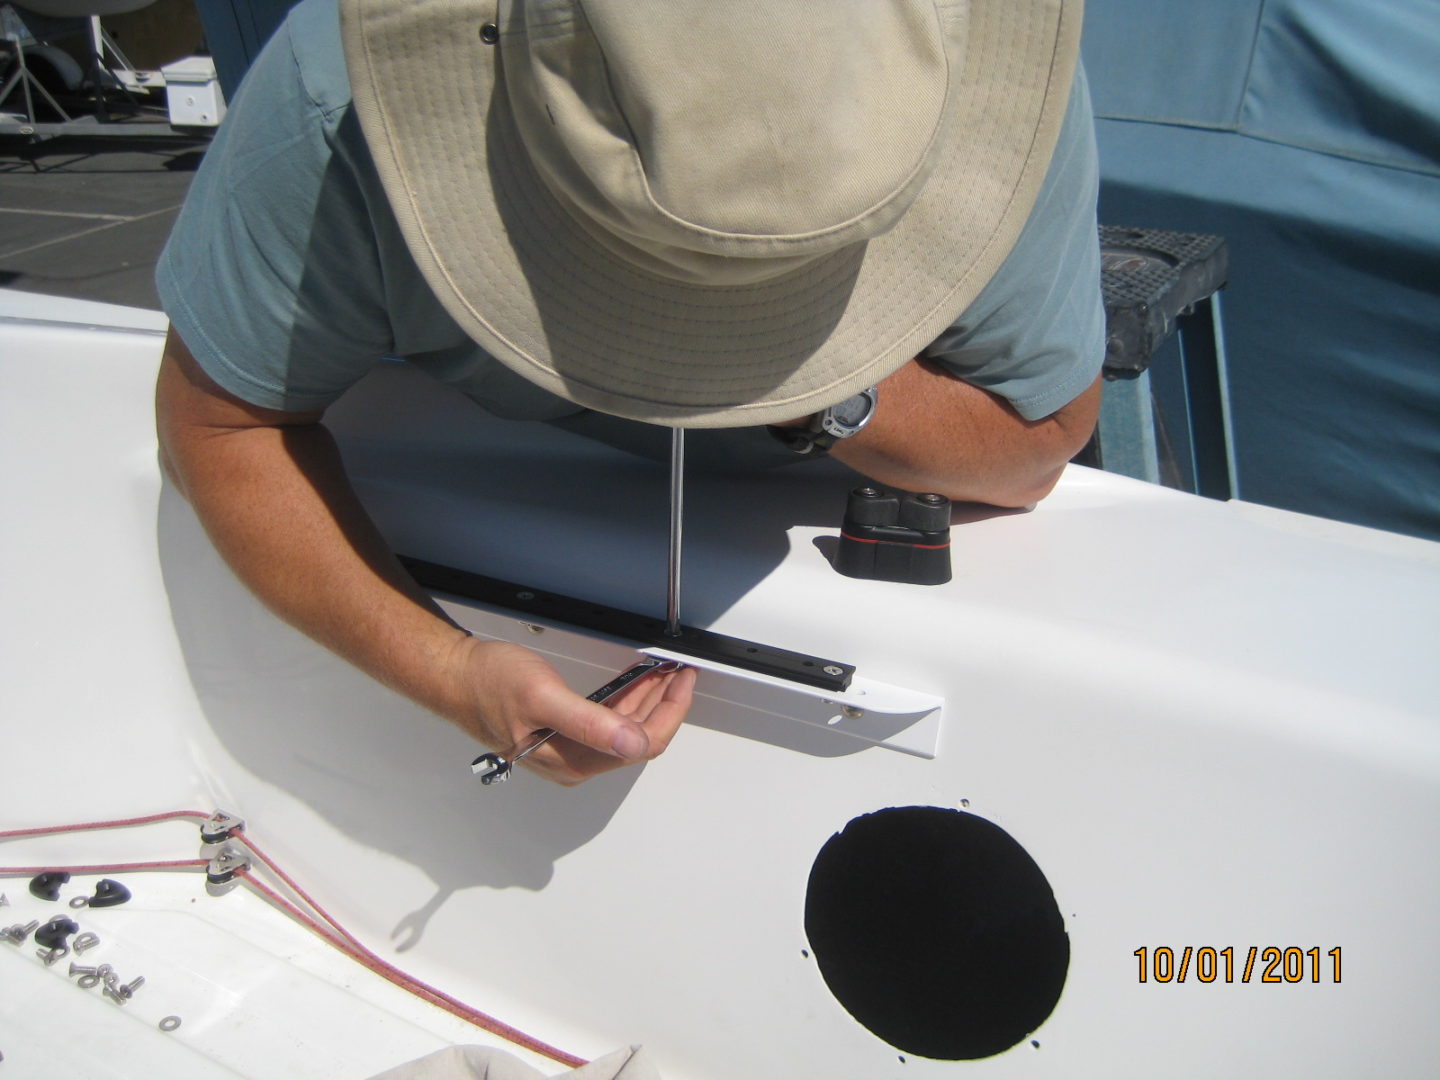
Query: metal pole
{"points": [[677, 509]]}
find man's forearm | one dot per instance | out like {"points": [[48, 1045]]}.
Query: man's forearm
{"points": [[277, 506], [934, 432], [271, 490]]}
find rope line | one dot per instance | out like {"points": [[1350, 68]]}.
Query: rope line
{"points": [[329, 930]]}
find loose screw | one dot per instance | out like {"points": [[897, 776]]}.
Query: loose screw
{"points": [[128, 990], [77, 969]]}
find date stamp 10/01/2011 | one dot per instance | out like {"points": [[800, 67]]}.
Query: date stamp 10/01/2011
{"points": [[1267, 964]]}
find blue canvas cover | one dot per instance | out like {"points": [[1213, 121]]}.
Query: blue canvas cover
{"points": [[1306, 132]]}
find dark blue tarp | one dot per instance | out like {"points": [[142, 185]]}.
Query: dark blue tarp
{"points": [[1307, 132], [236, 31]]}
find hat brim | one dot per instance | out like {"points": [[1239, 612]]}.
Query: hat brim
{"points": [[530, 285]]}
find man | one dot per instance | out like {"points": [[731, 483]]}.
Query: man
{"points": [[714, 215]]}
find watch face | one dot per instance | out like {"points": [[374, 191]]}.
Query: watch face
{"points": [[849, 416]]}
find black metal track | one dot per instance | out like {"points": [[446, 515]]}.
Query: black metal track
{"points": [[641, 629]]}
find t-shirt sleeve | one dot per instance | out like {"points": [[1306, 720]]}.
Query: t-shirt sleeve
{"points": [[271, 274], [1036, 333]]}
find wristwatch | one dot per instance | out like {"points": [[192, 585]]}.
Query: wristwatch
{"points": [[829, 426]]}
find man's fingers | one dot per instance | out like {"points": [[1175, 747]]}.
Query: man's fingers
{"points": [[641, 722], [664, 717], [650, 713], [640, 698]]}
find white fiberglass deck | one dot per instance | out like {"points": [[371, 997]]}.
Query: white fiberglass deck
{"points": [[1208, 724]]}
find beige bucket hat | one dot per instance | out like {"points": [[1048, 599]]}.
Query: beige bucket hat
{"points": [[709, 213]]}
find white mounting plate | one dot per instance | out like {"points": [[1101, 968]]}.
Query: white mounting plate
{"points": [[875, 712]]}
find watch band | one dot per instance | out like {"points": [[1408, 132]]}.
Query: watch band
{"points": [[831, 425]]}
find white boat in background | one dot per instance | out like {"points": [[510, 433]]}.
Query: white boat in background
{"points": [[1178, 765]]}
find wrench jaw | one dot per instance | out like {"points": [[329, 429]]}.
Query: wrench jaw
{"points": [[491, 768]]}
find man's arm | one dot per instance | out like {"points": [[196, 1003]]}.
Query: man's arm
{"points": [[270, 490], [935, 432]]}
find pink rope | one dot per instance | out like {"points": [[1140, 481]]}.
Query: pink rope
{"points": [[118, 823], [333, 933]]}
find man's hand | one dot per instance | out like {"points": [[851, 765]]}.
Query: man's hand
{"points": [[521, 694], [272, 493], [935, 432]]}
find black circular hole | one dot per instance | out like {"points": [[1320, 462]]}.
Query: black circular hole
{"points": [[489, 33], [937, 931]]}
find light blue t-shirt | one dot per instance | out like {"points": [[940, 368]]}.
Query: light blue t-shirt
{"points": [[288, 278]]}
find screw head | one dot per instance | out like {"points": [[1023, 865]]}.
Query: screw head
{"points": [[831, 669]]}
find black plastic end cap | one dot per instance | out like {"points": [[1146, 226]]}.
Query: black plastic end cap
{"points": [[109, 893], [46, 886], [53, 934]]}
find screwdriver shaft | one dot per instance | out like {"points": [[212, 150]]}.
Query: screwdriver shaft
{"points": [[677, 511]]}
